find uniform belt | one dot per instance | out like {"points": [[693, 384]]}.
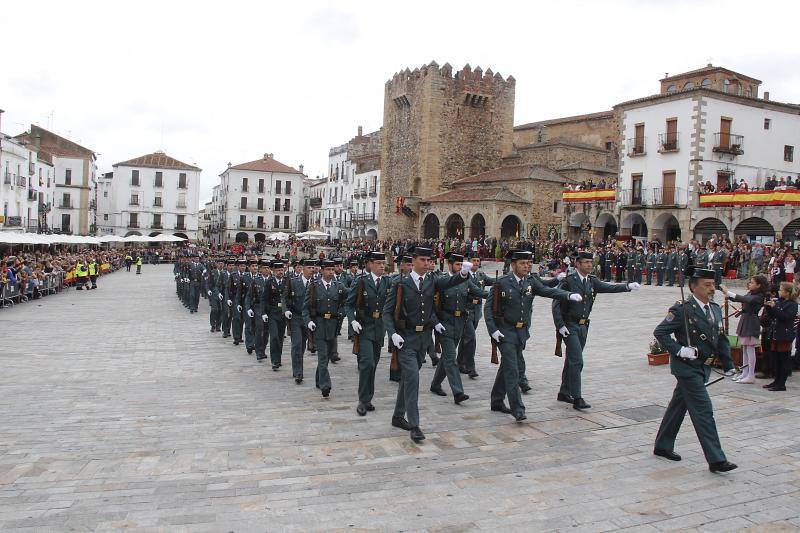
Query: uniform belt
{"points": [[457, 313], [475, 301], [376, 314], [417, 329], [329, 316], [515, 325], [579, 321]]}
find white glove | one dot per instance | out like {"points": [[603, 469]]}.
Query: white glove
{"points": [[264, 317], [397, 340], [209, 293], [220, 297], [634, 286], [497, 336], [312, 326], [356, 326], [561, 275], [250, 313], [575, 297], [687, 352], [439, 328], [239, 308], [466, 266], [230, 303], [564, 331], [288, 315]]}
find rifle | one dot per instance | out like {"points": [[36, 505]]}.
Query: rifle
{"points": [[394, 366], [312, 345], [437, 304], [359, 305], [495, 312]]}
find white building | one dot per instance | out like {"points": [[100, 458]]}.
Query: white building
{"points": [[27, 187], [255, 199], [350, 201], [150, 195], [204, 222], [707, 125], [316, 190]]}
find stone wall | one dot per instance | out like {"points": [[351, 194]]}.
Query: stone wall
{"points": [[596, 129]]}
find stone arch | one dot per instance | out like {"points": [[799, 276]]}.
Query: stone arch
{"points": [[454, 226], [578, 219], [372, 234], [607, 225], [635, 225], [666, 228], [709, 226], [259, 237], [430, 227], [242, 237], [477, 226], [511, 227], [790, 230], [133, 233], [754, 227]]}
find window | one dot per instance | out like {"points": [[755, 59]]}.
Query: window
{"points": [[261, 222], [134, 199], [288, 187], [244, 184], [261, 186], [260, 204], [105, 217], [135, 178], [159, 179], [181, 200], [278, 187], [286, 206], [788, 153], [671, 89], [66, 201], [242, 221], [243, 203], [157, 220], [286, 222], [638, 139], [555, 206], [609, 145], [157, 200], [636, 189], [705, 83], [66, 225], [277, 204], [767, 123], [133, 220], [688, 85], [181, 224], [277, 222], [105, 193], [68, 176], [182, 180]]}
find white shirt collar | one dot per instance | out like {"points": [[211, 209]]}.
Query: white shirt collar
{"points": [[416, 277], [701, 304], [582, 277], [374, 278], [305, 279], [516, 278]]}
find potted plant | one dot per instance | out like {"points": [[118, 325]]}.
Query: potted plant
{"points": [[657, 354]]}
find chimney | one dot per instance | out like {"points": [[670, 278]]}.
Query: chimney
{"points": [[266, 155], [766, 95], [301, 169], [360, 131], [37, 141], [229, 164]]}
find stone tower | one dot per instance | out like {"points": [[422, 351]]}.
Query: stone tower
{"points": [[439, 127]]}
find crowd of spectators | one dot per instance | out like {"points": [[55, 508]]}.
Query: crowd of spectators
{"points": [[773, 183]]}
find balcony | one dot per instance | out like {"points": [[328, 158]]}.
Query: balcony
{"points": [[669, 197], [363, 218], [133, 223], [180, 205], [180, 227], [157, 225], [728, 143], [328, 221], [637, 146], [315, 203], [7, 178], [373, 191], [631, 197], [668, 142], [133, 202], [65, 204]]}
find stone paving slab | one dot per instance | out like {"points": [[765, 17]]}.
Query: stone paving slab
{"points": [[119, 410]]}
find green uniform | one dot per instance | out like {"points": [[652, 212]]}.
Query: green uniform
{"points": [[717, 265], [690, 393], [365, 300], [661, 260], [651, 266], [513, 320], [468, 344], [237, 307], [633, 258], [701, 261], [670, 267], [226, 305], [610, 259], [683, 262], [575, 317], [293, 300], [323, 305], [249, 324], [256, 304], [277, 322]]}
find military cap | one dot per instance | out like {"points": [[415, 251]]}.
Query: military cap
{"points": [[700, 273], [421, 251], [310, 262], [263, 262], [374, 256], [278, 264], [354, 262], [407, 259], [516, 255], [584, 255], [453, 257], [325, 263], [338, 261]]}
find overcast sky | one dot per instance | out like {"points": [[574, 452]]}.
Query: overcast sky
{"points": [[212, 83]]}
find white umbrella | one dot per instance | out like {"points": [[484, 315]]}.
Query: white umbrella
{"points": [[279, 236], [170, 238], [313, 235]]}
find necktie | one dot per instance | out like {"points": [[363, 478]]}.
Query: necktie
{"points": [[419, 282], [708, 314]]}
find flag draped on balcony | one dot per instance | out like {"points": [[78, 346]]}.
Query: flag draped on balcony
{"points": [[594, 195], [724, 199]]}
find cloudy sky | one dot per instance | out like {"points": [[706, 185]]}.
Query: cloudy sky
{"points": [[218, 82]]}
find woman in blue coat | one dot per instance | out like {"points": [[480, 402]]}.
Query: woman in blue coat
{"points": [[782, 333]]}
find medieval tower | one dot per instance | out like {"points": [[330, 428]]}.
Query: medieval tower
{"points": [[439, 127]]}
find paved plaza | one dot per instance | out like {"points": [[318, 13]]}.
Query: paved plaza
{"points": [[119, 410]]}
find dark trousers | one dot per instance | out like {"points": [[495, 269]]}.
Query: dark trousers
{"points": [[620, 272], [649, 276], [394, 375], [299, 334], [691, 395], [94, 281], [277, 330], [447, 366], [408, 390], [227, 318], [468, 344], [249, 332], [660, 276], [237, 323], [213, 314], [783, 367], [506, 383], [573, 362], [325, 349], [261, 334], [369, 353]]}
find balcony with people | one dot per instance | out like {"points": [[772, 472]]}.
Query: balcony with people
{"points": [[589, 191], [728, 192]]}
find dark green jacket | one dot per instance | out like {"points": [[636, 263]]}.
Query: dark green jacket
{"points": [[573, 312], [323, 307], [370, 313]]}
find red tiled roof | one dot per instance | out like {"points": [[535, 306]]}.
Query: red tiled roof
{"points": [[515, 173], [266, 164], [157, 160], [708, 68], [477, 195]]}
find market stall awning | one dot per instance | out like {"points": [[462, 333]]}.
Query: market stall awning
{"points": [[727, 199], [594, 195]]}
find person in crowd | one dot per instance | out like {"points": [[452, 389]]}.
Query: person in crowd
{"points": [[782, 333], [749, 327]]}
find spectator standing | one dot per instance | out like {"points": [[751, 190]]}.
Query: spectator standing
{"points": [[783, 311]]}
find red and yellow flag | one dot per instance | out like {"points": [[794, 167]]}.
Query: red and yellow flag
{"points": [[724, 199], [594, 195]]}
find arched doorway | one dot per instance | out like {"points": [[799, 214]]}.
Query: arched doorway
{"points": [[259, 237], [604, 227], [242, 237], [477, 227], [578, 226], [430, 227], [707, 227], [791, 232], [756, 229], [372, 234], [454, 227], [510, 228], [667, 228], [635, 226]]}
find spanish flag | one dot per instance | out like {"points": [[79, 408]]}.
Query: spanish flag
{"points": [[594, 195], [727, 199]]}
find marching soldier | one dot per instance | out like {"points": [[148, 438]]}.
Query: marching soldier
{"points": [[195, 278], [572, 322], [277, 322], [226, 281], [408, 316], [661, 260], [610, 260], [651, 265], [256, 304], [293, 299], [691, 354], [323, 304], [453, 306], [403, 269], [238, 292], [671, 265], [249, 324], [349, 277], [683, 263], [365, 300], [718, 263], [468, 344], [433, 354], [508, 322], [622, 260]]}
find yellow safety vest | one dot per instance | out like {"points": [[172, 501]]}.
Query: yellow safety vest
{"points": [[138, 261], [81, 270], [92, 269]]}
